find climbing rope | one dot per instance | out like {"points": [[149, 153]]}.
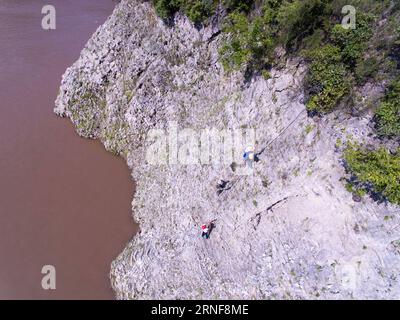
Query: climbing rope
{"points": [[230, 184], [282, 132]]}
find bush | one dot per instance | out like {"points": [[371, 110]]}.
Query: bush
{"points": [[353, 42], [166, 8], [314, 41], [247, 43], [388, 112], [377, 172], [333, 67], [299, 19], [236, 52], [366, 69], [260, 43], [238, 5], [327, 81], [196, 10], [394, 51], [199, 10], [266, 74]]}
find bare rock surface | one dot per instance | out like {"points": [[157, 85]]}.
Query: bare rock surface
{"points": [[287, 230]]}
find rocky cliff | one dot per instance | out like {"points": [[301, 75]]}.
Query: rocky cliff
{"points": [[286, 229]]}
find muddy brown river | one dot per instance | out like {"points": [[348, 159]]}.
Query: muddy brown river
{"points": [[64, 200]]}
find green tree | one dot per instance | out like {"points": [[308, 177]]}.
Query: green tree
{"points": [[353, 42], [199, 10], [238, 5], [327, 81], [375, 171], [166, 8], [299, 19]]}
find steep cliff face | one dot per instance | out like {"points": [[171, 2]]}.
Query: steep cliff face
{"points": [[286, 229]]}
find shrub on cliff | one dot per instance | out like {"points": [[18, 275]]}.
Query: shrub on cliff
{"points": [[388, 112], [199, 10], [236, 52], [248, 42], [239, 5], [327, 81], [376, 172], [394, 50], [333, 66], [252, 38], [353, 42], [166, 8], [366, 69], [299, 19], [196, 10]]}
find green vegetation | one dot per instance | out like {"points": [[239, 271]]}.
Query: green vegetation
{"points": [[239, 5], [251, 39], [353, 55], [196, 10], [248, 43], [199, 10], [366, 69], [388, 112], [334, 66], [309, 128], [376, 172], [116, 137], [353, 42], [85, 108], [166, 8], [266, 74], [336, 56], [327, 80], [297, 19], [394, 50], [253, 29]]}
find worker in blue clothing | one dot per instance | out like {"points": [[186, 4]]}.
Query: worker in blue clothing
{"points": [[248, 156]]}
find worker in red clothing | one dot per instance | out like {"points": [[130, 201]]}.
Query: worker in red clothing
{"points": [[205, 231]]}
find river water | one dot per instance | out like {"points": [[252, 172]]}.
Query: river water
{"points": [[64, 200]]}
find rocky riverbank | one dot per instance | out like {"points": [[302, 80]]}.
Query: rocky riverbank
{"points": [[288, 230]]}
